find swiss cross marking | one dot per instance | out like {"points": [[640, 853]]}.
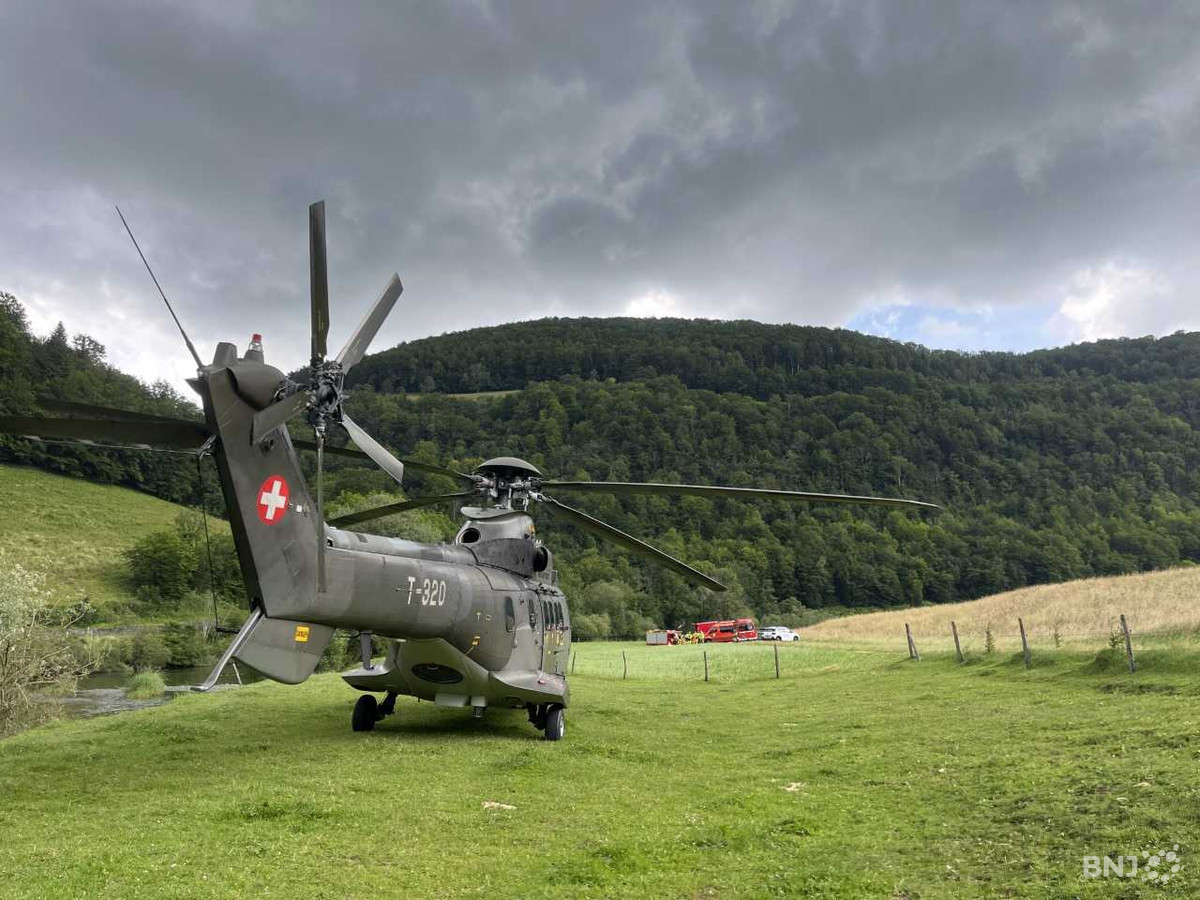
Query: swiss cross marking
{"points": [[273, 500]]}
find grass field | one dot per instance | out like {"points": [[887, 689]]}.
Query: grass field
{"points": [[857, 774], [1162, 608], [74, 531]]}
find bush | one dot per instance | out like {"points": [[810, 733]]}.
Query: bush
{"points": [[161, 567], [186, 646], [145, 685], [148, 650], [591, 627], [36, 653]]}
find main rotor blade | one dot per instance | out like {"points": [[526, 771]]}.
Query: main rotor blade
{"points": [[267, 420], [707, 490], [89, 411], [382, 456], [379, 512], [351, 453], [176, 434], [356, 347], [319, 279], [629, 542]]}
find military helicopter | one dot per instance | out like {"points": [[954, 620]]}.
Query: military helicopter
{"points": [[477, 623]]}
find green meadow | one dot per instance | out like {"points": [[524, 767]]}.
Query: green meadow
{"points": [[74, 532], [855, 774]]}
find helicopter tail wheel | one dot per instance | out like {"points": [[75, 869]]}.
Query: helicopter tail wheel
{"points": [[366, 713], [556, 723]]}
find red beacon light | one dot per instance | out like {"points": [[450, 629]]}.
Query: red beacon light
{"points": [[255, 350]]}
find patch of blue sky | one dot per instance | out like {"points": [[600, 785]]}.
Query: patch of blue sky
{"points": [[1014, 328]]}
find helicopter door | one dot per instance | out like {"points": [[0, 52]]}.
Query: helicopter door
{"points": [[538, 628]]}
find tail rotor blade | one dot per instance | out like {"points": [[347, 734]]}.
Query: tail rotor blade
{"points": [[629, 542], [383, 458], [356, 347], [267, 420], [319, 277]]}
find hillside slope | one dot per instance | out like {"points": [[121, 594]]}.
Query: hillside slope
{"points": [[74, 531], [1157, 605]]}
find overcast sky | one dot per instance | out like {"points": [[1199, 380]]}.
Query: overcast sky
{"points": [[993, 175]]}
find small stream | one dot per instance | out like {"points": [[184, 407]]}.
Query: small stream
{"points": [[104, 693]]}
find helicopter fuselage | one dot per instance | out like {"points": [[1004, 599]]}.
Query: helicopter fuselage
{"points": [[477, 622]]}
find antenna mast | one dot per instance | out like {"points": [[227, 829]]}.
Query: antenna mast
{"points": [[186, 339]]}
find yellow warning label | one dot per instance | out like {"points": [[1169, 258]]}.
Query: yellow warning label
{"points": [[302, 634]]}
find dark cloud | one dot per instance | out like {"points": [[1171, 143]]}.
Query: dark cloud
{"points": [[808, 162]]}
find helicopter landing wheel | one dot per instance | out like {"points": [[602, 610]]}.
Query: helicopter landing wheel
{"points": [[366, 713], [556, 723], [537, 715]]}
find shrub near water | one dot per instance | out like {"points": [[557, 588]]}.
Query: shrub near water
{"points": [[145, 686], [36, 656]]}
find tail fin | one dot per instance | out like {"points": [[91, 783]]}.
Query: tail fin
{"points": [[274, 522], [281, 649]]}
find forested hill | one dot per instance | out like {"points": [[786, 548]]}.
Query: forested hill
{"points": [[741, 357], [1051, 465]]}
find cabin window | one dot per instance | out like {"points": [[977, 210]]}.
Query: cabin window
{"points": [[557, 615], [510, 617], [533, 614]]}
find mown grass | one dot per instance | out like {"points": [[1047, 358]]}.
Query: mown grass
{"points": [[854, 775], [74, 531]]}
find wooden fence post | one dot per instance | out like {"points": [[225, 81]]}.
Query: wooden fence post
{"points": [[1128, 645], [957, 645], [574, 656], [1024, 643], [625, 664], [706, 665], [912, 646], [777, 659]]}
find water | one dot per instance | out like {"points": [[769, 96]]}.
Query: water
{"points": [[104, 693]]}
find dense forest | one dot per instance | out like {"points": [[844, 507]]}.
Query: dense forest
{"points": [[1051, 465], [735, 357], [65, 367]]}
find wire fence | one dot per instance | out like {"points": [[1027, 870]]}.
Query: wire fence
{"points": [[716, 663], [757, 660]]}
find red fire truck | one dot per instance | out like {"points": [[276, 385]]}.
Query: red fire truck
{"points": [[727, 631]]}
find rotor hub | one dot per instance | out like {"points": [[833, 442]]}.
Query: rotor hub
{"points": [[508, 482], [326, 394]]}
